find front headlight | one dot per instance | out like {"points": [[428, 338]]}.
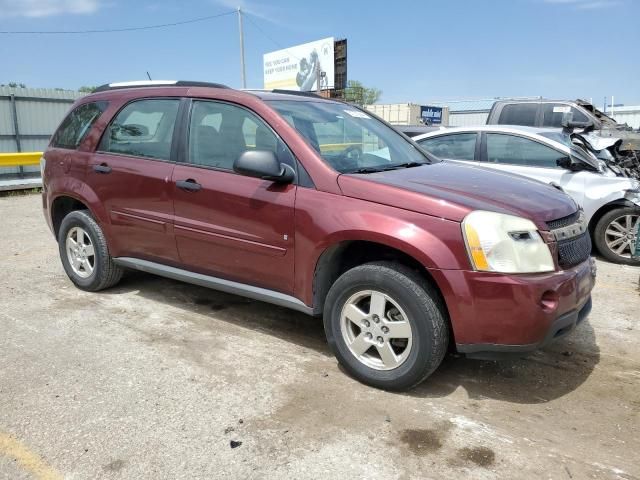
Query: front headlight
{"points": [[505, 244], [43, 164]]}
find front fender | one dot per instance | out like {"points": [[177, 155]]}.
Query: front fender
{"points": [[325, 220]]}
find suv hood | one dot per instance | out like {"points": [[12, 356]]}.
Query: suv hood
{"points": [[452, 190]]}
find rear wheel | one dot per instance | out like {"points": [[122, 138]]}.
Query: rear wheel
{"points": [[84, 253], [386, 325], [616, 234]]}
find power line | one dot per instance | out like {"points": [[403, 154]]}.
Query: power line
{"points": [[275, 42], [116, 30]]}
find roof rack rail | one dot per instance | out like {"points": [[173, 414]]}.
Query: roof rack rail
{"points": [[296, 92], [156, 83]]}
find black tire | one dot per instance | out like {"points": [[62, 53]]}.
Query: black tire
{"points": [[105, 272], [423, 307], [600, 235]]}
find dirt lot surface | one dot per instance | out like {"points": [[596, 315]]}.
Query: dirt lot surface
{"points": [[155, 379]]}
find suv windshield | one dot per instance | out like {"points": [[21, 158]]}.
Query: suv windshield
{"points": [[348, 139]]}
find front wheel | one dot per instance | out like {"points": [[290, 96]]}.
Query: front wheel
{"points": [[616, 234], [386, 325]]}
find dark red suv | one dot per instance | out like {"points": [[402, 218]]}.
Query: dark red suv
{"points": [[319, 206]]}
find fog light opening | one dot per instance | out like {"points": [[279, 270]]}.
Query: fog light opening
{"points": [[549, 301]]}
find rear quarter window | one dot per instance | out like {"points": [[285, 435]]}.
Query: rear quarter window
{"points": [[519, 114], [75, 127]]}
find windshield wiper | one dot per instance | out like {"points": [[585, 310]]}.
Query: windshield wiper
{"points": [[366, 170], [386, 169], [405, 165]]}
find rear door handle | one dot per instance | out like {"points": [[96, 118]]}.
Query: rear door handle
{"points": [[102, 168], [190, 185]]}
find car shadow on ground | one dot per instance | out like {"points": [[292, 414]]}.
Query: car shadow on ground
{"points": [[537, 378]]}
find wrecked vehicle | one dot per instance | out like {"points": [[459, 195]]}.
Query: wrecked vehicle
{"points": [[549, 113], [608, 193], [609, 150]]}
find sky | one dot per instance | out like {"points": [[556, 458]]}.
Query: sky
{"points": [[414, 51]]}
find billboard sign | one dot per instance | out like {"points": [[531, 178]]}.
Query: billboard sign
{"points": [[431, 115], [298, 68]]}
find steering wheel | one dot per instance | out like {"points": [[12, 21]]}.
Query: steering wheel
{"points": [[353, 153]]}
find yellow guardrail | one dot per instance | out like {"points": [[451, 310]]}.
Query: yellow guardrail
{"points": [[22, 159], [337, 147]]}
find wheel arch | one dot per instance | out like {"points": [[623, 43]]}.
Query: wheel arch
{"points": [[606, 208], [66, 202], [346, 254]]}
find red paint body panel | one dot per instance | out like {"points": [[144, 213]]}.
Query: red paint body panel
{"points": [[452, 190], [137, 198], [324, 220], [272, 236], [490, 308], [235, 227]]}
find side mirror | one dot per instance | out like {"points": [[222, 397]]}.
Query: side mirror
{"points": [[564, 162], [569, 163], [265, 165]]}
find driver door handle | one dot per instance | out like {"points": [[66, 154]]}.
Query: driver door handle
{"points": [[102, 168], [189, 185]]}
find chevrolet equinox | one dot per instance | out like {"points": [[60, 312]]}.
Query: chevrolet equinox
{"points": [[316, 205]]}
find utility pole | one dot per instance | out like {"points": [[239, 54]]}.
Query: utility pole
{"points": [[613, 100], [242, 72]]}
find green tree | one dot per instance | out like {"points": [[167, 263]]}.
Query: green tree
{"points": [[87, 89], [13, 85], [357, 93]]}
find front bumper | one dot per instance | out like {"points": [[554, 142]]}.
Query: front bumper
{"points": [[560, 327], [492, 312]]}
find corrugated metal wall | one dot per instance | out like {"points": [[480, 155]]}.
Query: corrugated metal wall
{"points": [[629, 115], [467, 113], [467, 119], [38, 111]]}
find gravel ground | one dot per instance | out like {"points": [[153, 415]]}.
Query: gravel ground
{"points": [[155, 379]]}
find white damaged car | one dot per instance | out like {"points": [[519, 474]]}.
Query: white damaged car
{"points": [[609, 196]]}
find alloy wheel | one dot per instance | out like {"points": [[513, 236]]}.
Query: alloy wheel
{"points": [[621, 235], [80, 252], [376, 330]]}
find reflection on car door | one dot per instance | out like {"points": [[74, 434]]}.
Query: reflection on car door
{"points": [[454, 146], [130, 173], [524, 156], [226, 224]]}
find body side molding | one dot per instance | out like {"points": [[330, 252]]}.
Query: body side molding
{"points": [[215, 283]]}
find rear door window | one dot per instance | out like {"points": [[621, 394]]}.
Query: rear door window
{"points": [[552, 114], [75, 127], [143, 128], [461, 146], [513, 150], [519, 114]]}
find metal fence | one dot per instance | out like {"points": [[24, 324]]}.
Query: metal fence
{"points": [[28, 117]]}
